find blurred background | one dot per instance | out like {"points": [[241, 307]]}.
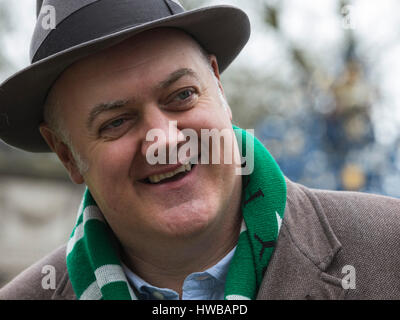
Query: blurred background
{"points": [[318, 81]]}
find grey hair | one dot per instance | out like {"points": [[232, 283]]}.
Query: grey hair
{"points": [[51, 117], [206, 57], [220, 93]]}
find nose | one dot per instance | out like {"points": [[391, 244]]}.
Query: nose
{"points": [[162, 137]]}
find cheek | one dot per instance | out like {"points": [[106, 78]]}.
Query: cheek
{"points": [[109, 178], [111, 162], [211, 110]]}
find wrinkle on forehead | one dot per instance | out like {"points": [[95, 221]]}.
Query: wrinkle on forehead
{"points": [[147, 47]]}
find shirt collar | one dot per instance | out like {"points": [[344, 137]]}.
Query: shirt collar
{"points": [[219, 272]]}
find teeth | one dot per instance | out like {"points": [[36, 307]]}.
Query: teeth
{"points": [[159, 177]]}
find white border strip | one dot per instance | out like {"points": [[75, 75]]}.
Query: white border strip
{"points": [[109, 273], [236, 297], [90, 213], [91, 293]]}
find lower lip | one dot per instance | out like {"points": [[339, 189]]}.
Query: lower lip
{"points": [[186, 179]]}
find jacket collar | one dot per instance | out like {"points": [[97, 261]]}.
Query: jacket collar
{"points": [[301, 266]]}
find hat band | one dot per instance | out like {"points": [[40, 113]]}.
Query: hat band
{"points": [[99, 19]]}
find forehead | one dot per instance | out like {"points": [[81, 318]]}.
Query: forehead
{"points": [[160, 48]]}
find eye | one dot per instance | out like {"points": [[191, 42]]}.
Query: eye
{"points": [[183, 95], [117, 127], [182, 100], [114, 124]]}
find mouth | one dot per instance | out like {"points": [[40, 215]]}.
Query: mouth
{"points": [[171, 176]]}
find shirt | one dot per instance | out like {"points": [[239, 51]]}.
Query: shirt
{"points": [[207, 285]]}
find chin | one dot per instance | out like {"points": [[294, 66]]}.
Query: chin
{"points": [[187, 222]]}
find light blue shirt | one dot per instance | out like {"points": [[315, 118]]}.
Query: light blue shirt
{"points": [[207, 285]]}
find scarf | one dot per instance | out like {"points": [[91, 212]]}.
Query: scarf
{"points": [[93, 262]]}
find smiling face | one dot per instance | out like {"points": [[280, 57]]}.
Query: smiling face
{"points": [[111, 100]]}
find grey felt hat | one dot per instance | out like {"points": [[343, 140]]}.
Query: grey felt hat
{"points": [[84, 27]]}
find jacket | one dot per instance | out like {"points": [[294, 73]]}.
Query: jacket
{"points": [[332, 245]]}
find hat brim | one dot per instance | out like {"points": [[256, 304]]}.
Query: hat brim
{"points": [[221, 30]]}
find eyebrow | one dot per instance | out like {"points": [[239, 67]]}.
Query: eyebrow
{"points": [[176, 75], [118, 104], [104, 107]]}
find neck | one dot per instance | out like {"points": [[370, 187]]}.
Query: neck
{"points": [[168, 263]]}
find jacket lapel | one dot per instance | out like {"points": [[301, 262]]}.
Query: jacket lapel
{"points": [[64, 290], [302, 266]]}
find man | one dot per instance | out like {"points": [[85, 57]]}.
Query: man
{"points": [[102, 83]]}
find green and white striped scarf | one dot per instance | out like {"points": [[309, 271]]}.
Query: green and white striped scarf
{"points": [[93, 261]]}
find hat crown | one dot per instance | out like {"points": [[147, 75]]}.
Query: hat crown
{"points": [[62, 24]]}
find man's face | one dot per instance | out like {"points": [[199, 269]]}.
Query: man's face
{"points": [[111, 100]]}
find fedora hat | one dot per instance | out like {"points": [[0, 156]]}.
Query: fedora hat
{"points": [[83, 27]]}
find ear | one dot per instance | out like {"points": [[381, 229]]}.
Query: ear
{"points": [[63, 152], [215, 69]]}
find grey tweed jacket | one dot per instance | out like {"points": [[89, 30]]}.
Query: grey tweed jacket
{"points": [[326, 237]]}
